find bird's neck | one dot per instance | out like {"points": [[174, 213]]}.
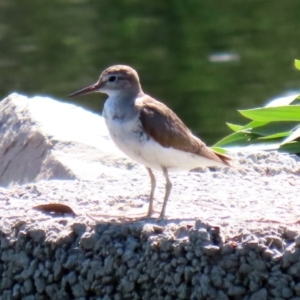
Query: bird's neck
{"points": [[121, 106], [124, 98]]}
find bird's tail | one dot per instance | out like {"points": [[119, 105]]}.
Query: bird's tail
{"points": [[225, 159]]}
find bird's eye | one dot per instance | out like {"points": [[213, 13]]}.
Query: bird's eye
{"points": [[112, 78]]}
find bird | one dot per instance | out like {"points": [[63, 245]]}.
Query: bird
{"points": [[148, 131]]}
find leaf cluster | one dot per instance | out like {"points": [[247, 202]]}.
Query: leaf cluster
{"points": [[275, 126]]}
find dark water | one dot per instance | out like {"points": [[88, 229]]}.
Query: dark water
{"points": [[56, 47]]}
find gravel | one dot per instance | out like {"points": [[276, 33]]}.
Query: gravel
{"points": [[229, 234]]}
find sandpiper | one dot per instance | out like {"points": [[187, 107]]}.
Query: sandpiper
{"points": [[148, 131]]}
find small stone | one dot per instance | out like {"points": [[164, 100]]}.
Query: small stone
{"points": [[286, 293], [57, 269], [190, 255], [177, 278], [290, 256], [37, 235], [297, 241], [78, 228], [50, 278], [259, 265], [294, 269], [4, 243], [88, 240], [297, 289], [38, 252], [204, 283], [143, 278], [268, 254], [78, 291], [168, 268], [120, 251], [188, 273], [182, 291], [72, 278], [275, 241], [217, 280], [221, 296], [211, 250], [252, 244], [291, 234], [227, 249], [252, 255], [245, 268], [40, 284], [260, 295], [253, 158], [253, 285], [127, 286], [30, 297], [16, 291], [236, 291], [6, 295], [7, 255], [182, 261], [6, 283], [230, 261], [28, 286]]}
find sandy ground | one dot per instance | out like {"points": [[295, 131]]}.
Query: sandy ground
{"points": [[264, 192]]}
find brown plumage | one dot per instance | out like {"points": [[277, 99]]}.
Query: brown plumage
{"points": [[165, 127]]}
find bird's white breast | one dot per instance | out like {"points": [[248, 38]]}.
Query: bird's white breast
{"points": [[127, 132]]}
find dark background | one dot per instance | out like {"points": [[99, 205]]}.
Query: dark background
{"points": [[205, 59]]}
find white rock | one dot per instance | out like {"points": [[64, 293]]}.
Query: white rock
{"points": [[41, 138]]}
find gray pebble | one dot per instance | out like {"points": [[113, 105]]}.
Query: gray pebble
{"points": [[28, 286], [16, 290], [236, 291], [286, 293], [40, 284], [37, 235], [78, 290], [88, 240], [262, 294], [30, 297], [245, 268], [297, 289], [6, 283], [294, 269], [275, 241], [211, 250], [78, 228]]}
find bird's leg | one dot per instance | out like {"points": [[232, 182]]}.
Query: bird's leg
{"points": [[167, 194], [153, 185]]}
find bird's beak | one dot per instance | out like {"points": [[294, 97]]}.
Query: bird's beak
{"points": [[90, 89]]}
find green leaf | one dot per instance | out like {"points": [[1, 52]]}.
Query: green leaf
{"points": [[253, 124], [232, 138], [297, 64], [219, 150], [274, 127], [275, 136], [269, 114], [234, 127]]}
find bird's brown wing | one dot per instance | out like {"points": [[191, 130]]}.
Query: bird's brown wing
{"points": [[165, 127]]}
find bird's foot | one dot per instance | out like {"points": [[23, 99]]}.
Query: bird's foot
{"points": [[151, 212], [162, 217]]}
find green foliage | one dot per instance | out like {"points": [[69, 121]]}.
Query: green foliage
{"points": [[297, 64], [275, 126]]}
